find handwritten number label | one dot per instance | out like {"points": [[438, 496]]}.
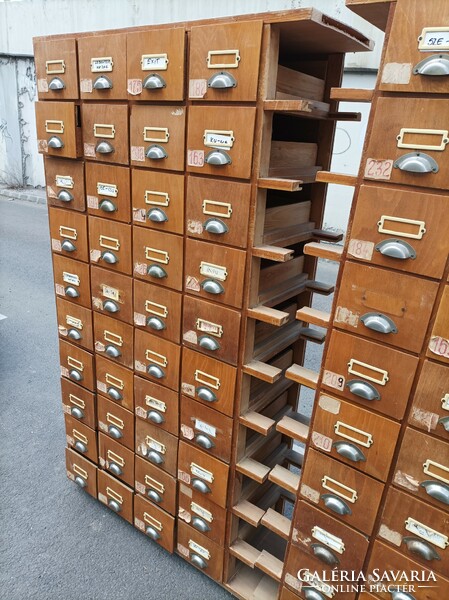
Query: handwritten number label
{"points": [[378, 169], [333, 380]]}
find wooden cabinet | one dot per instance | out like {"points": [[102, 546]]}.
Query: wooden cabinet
{"points": [[157, 446], [65, 183], [112, 294], [105, 133], [116, 459], [79, 403], [72, 280], [116, 422], [114, 339], [201, 514], [156, 359], [158, 257], [158, 525], [75, 323], [58, 129], [81, 471], [102, 67], [81, 438], [155, 484], [110, 245], [156, 404], [430, 408], [115, 382], [56, 69], [157, 310], [68, 232], [116, 495], [200, 551], [108, 191], [77, 365]]}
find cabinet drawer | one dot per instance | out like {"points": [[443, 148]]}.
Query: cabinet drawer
{"points": [[65, 183], [215, 272], [203, 473], [157, 137], [116, 459], [68, 233], [155, 64], [388, 307], [72, 280], [430, 410], [218, 211], [110, 244], [105, 132], [157, 446], [423, 468], [81, 438], [108, 191], [102, 67], [209, 381], [116, 422], [401, 230], [75, 323], [157, 310], [158, 257], [56, 69], [158, 200], [287, 594], [155, 484], [211, 329], [370, 374], [336, 488], [439, 340], [158, 525], [157, 359], [156, 404], [224, 61], [77, 364], [114, 339], [112, 294], [58, 129], [115, 382], [81, 471], [220, 140], [418, 530], [79, 403], [203, 515], [116, 495], [408, 142], [200, 551], [206, 428], [416, 58], [355, 436]]}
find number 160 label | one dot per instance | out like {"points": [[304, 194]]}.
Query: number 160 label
{"points": [[333, 380]]}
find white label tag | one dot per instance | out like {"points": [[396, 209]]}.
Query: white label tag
{"points": [[214, 271], [205, 428], [139, 319], [434, 39], [197, 88], [86, 86], [155, 403], [334, 380], [445, 402], [70, 278], [107, 189], [101, 386], [426, 533], [92, 202], [101, 65], [77, 323], [328, 539], [321, 441], [361, 249], [89, 150], [64, 181], [378, 169], [155, 445], [209, 327], [218, 139], [195, 158], [201, 512], [135, 87], [154, 62], [187, 432], [201, 473], [199, 550], [346, 316], [59, 289], [110, 292]]}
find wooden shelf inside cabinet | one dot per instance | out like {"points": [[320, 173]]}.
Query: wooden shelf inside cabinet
{"points": [[294, 426], [250, 582], [308, 109], [374, 11], [277, 523], [268, 315], [351, 95], [328, 251], [307, 314], [302, 376], [336, 178], [275, 340], [319, 287], [285, 478]]}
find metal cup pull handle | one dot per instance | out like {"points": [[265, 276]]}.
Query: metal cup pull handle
{"points": [[421, 548], [200, 486], [199, 562], [336, 504], [433, 66], [396, 249], [204, 441], [155, 152], [153, 533], [379, 323], [74, 334], [154, 496], [215, 226], [103, 83], [416, 162], [65, 196], [157, 272], [75, 375], [115, 506], [363, 389], [55, 142], [157, 215], [212, 287], [221, 81], [156, 323], [115, 469], [444, 421], [153, 81], [349, 451], [115, 432], [200, 524], [437, 491], [107, 206], [113, 393], [68, 246], [71, 292], [155, 457], [80, 481], [156, 371], [401, 595], [111, 306], [155, 417], [208, 343], [325, 555], [112, 351], [311, 593], [109, 257], [76, 412], [206, 394], [218, 158], [56, 84], [80, 447], [104, 148]]}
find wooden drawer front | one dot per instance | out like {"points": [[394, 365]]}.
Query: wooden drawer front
{"points": [[411, 42], [158, 200], [65, 183], [58, 131], [158, 525], [401, 230], [157, 137], [116, 422], [116, 495], [56, 69], [384, 558], [77, 364], [157, 310], [380, 378], [79, 403], [418, 530], [102, 67], [390, 308], [228, 52], [200, 551], [220, 140], [287, 594], [203, 515], [209, 381], [115, 382], [215, 272], [155, 64], [355, 436], [114, 339], [110, 245], [439, 340], [155, 484], [341, 490], [72, 280], [81, 471], [81, 438], [105, 132], [211, 329], [157, 360], [112, 294], [218, 211], [158, 257], [423, 468], [75, 324], [108, 191], [203, 473], [156, 404], [68, 233], [116, 459], [430, 410], [157, 446], [206, 429], [402, 128]]}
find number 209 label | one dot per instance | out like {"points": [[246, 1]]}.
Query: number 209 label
{"points": [[378, 169], [333, 380]]}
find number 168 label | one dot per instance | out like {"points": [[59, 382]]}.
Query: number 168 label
{"points": [[333, 380]]}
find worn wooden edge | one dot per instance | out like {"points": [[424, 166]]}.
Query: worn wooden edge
{"points": [[303, 376], [329, 251], [272, 316], [262, 371], [307, 314], [336, 178], [351, 95]]}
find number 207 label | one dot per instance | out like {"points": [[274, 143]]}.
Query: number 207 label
{"points": [[378, 169], [333, 380]]}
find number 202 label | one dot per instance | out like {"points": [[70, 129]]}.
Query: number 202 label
{"points": [[333, 380], [378, 169]]}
